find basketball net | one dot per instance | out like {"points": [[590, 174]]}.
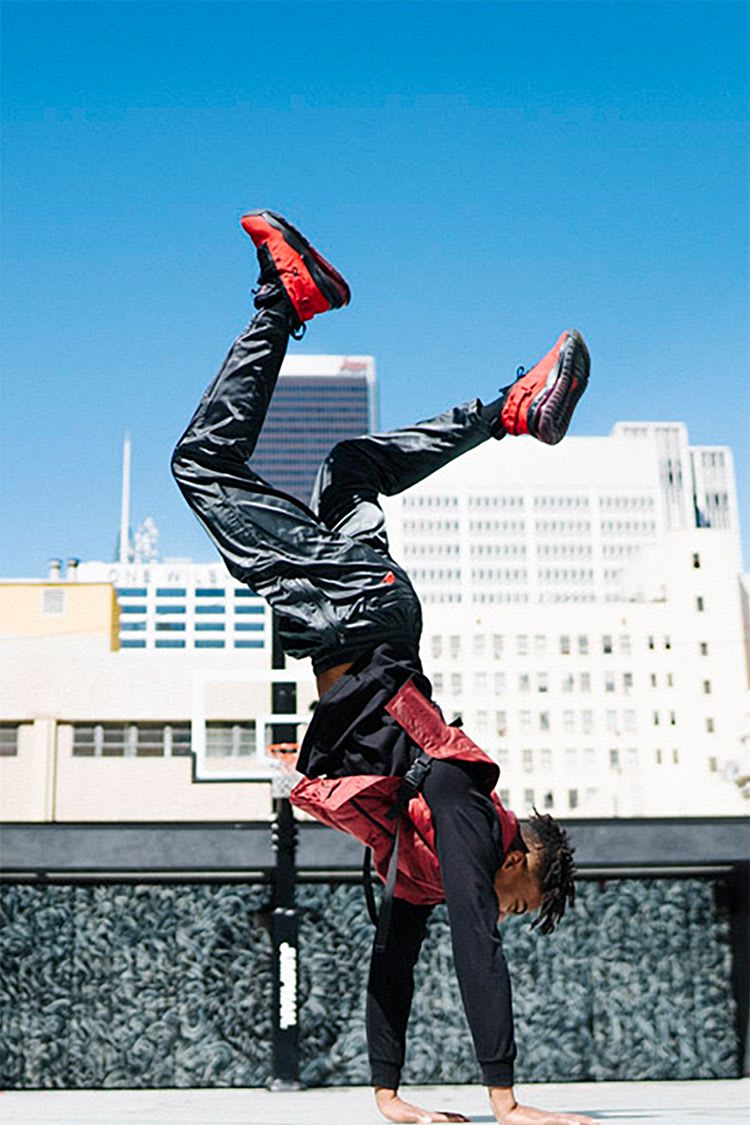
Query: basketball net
{"points": [[284, 774]]}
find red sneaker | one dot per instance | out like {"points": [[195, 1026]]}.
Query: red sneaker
{"points": [[311, 283], [541, 402]]}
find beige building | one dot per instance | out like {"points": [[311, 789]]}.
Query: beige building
{"points": [[93, 732]]}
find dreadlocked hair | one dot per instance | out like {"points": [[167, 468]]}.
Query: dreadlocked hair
{"points": [[556, 870]]}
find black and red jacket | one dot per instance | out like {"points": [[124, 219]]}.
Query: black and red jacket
{"points": [[360, 804]]}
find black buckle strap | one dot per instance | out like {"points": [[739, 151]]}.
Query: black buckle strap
{"points": [[411, 784]]}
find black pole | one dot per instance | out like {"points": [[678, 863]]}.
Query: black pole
{"points": [[284, 921]]}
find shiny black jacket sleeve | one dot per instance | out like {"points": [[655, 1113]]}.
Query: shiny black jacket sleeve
{"points": [[469, 846]]}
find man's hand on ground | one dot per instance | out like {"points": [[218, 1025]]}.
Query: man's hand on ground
{"points": [[509, 1112], [396, 1109]]}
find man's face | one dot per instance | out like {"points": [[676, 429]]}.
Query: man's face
{"points": [[518, 885]]}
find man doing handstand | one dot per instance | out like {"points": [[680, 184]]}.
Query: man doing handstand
{"points": [[440, 833]]}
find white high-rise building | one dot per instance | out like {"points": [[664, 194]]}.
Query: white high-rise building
{"points": [[521, 522], [583, 612]]}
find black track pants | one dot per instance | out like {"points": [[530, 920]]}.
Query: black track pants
{"points": [[325, 569]]}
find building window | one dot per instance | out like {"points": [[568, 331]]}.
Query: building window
{"points": [[528, 799], [501, 724], [457, 682], [248, 644], [542, 681], [437, 680], [544, 720], [133, 626], [667, 643], [249, 609], [629, 721], [53, 601], [165, 626], [651, 643], [607, 645], [132, 609], [171, 609], [699, 604], [132, 644], [454, 644], [609, 681], [160, 643], [497, 646], [527, 760], [522, 645], [652, 679], [524, 683], [696, 561], [210, 626], [585, 681], [672, 719], [704, 648], [436, 647], [549, 802], [614, 759], [230, 740], [710, 726], [568, 682], [198, 609], [572, 798], [676, 757], [612, 721], [505, 797], [656, 718], [583, 645], [625, 646], [212, 644], [565, 645], [499, 683], [479, 644], [131, 740], [239, 626], [8, 740], [706, 687], [713, 765], [569, 721], [540, 644], [524, 718], [627, 682], [587, 721], [658, 757], [210, 592], [131, 592], [170, 592]]}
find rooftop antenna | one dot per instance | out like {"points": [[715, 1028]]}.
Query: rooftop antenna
{"points": [[124, 554]]}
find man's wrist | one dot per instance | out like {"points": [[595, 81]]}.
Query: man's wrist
{"points": [[502, 1098]]}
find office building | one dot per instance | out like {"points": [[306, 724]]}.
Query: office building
{"points": [[319, 400]]}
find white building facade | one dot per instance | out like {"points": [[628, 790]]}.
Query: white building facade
{"points": [[583, 612]]}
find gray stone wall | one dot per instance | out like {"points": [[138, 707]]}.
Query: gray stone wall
{"points": [[170, 985]]}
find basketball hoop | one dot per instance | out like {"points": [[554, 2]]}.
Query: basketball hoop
{"points": [[283, 762]]}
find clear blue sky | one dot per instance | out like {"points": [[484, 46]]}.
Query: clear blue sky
{"points": [[485, 174]]}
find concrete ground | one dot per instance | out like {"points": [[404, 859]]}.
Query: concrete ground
{"points": [[626, 1103]]}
